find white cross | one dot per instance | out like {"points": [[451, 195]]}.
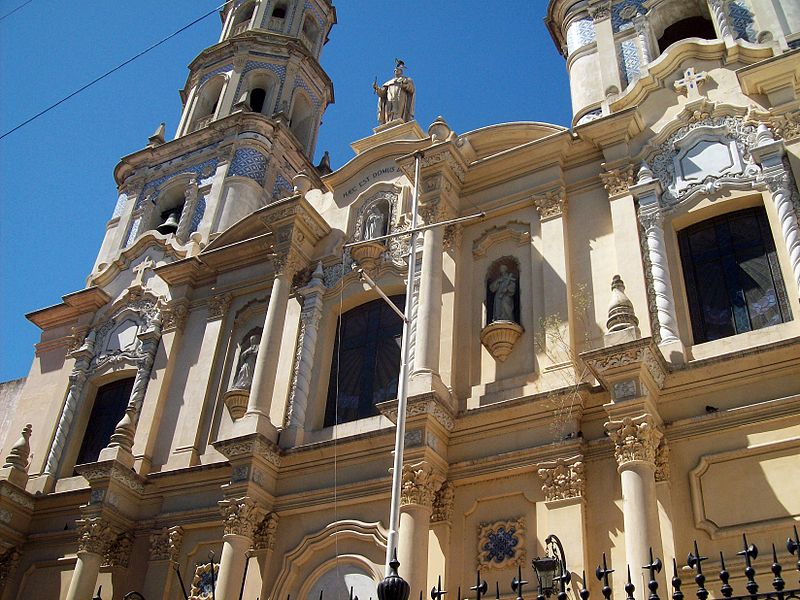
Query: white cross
{"points": [[139, 269], [691, 83]]}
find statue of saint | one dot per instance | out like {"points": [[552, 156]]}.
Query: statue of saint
{"points": [[247, 365], [373, 226], [504, 288], [395, 97]]}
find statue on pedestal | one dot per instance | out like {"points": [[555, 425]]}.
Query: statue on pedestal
{"points": [[503, 287], [395, 97], [373, 227], [247, 365]]}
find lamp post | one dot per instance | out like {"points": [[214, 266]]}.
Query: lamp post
{"points": [[552, 569]]}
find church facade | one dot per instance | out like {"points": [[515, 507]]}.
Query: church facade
{"points": [[605, 327]]}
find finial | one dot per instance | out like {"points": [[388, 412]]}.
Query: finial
{"points": [[324, 166], [20, 451], [158, 136], [764, 135], [620, 310], [393, 587], [317, 276], [302, 183], [645, 174], [439, 130]]}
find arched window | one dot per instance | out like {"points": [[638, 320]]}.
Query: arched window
{"points": [[168, 211], [277, 19], [261, 85], [366, 361], [109, 407], [733, 281], [257, 97], [242, 18], [207, 102], [692, 27], [310, 32], [301, 123]]}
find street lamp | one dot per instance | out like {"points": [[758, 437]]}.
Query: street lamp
{"points": [[552, 569]]}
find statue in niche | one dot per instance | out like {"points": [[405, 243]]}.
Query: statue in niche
{"points": [[374, 223], [504, 288], [395, 97], [247, 365]]}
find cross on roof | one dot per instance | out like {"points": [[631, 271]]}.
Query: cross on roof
{"points": [[140, 269], [691, 82]]}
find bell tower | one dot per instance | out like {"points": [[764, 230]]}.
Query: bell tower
{"points": [[609, 44], [252, 106]]}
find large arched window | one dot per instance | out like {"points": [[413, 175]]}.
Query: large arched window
{"points": [[301, 123], [733, 281], [691, 27], [242, 18], [366, 361], [207, 102], [109, 407]]}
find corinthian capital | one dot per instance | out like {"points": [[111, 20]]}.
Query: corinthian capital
{"points": [[551, 204], [241, 516], [562, 478], [166, 544], [95, 535], [618, 181], [634, 439], [419, 485]]}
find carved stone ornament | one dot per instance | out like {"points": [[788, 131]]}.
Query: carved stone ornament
{"points": [[635, 439], [551, 204], [562, 479], [236, 402], [501, 544], [418, 485], [166, 544], [515, 231], [787, 125], [174, 317], [618, 181], [367, 255], [8, 565], [20, 451], [604, 362], [203, 583], [218, 306], [499, 338], [241, 516], [118, 553], [250, 446], [663, 470], [264, 537], [443, 503], [95, 536], [621, 315], [601, 11]]}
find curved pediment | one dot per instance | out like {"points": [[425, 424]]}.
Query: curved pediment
{"points": [[493, 139]]}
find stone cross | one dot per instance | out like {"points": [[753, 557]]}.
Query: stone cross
{"points": [[140, 269], [691, 82]]}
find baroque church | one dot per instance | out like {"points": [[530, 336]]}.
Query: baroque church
{"points": [[603, 327]]}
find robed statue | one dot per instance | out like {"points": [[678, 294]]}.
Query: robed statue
{"points": [[247, 365], [395, 97], [373, 227], [504, 288]]}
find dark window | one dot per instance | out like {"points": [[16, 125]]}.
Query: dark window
{"points": [[733, 281], [279, 12], [109, 407], [366, 361], [257, 97], [693, 27]]}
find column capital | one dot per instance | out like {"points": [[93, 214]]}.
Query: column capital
{"points": [[218, 306], [241, 516], [264, 535], [419, 485], [563, 478], [166, 544], [95, 535], [618, 181], [443, 503], [551, 204], [635, 439]]}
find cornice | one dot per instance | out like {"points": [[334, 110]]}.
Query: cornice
{"points": [[396, 148], [74, 305]]}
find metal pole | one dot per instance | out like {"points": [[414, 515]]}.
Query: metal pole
{"points": [[402, 391]]}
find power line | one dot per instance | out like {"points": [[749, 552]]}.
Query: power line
{"points": [[23, 5], [114, 70]]}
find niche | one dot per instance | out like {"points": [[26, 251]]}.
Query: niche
{"points": [[503, 327], [691, 27]]}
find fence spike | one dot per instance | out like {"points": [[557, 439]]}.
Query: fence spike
{"points": [[629, 587], [480, 587], [793, 545], [676, 582], [654, 567], [584, 593], [724, 575], [320, 594], [517, 583], [437, 592], [497, 585], [695, 561], [459, 593], [777, 582], [750, 552], [602, 573]]}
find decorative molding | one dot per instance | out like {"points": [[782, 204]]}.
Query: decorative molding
{"points": [[663, 469], [426, 405], [166, 544], [264, 536], [563, 478], [174, 316], [515, 231], [15, 496], [9, 560], [96, 472], [95, 535], [218, 306], [607, 360], [118, 553], [241, 516], [501, 544], [618, 181], [250, 446], [443, 503], [635, 439], [551, 204], [786, 126], [419, 485], [600, 11]]}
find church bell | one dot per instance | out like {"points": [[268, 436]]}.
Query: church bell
{"points": [[170, 220]]}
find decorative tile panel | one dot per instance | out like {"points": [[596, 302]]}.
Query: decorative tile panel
{"points": [[252, 65], [623, 13], [580, 33], [249, 162], [133, 231], [282, 187], [204, 170], [199, 211], [313, 9], [217, 71], [742, 20], [300, 83], [629, 62], [120, 206], [501, 544]]}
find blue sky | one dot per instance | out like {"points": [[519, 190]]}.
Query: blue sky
{"points": [[474, 62]]}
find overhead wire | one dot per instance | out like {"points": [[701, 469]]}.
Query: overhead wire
{"points": [[115, 69], [23, 5]]}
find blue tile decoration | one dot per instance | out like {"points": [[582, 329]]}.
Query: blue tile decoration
{"points": [[282, 188], [299, 82], [313, 9], [629, 62], [217, 71], [252, 65], [741, 18], [580, 33], [590, 116], [249, 162], [199, 211], [622, 14], [133, 231], [120, 206], [501, 544], [199, 169]]}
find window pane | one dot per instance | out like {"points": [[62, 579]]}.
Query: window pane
{"points": [[109, 407]]}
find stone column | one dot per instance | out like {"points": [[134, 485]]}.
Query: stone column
{"points": [[304, 358], [416, 507], [648, 191], [635, 443], [95, 538], [125, 431], [441, 520], [600, 11], [429, 315], [185, 222], [241, 517], [268, 348], [165, 549]]}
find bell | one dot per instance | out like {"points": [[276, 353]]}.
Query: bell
{"points": [[170, 224]]}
